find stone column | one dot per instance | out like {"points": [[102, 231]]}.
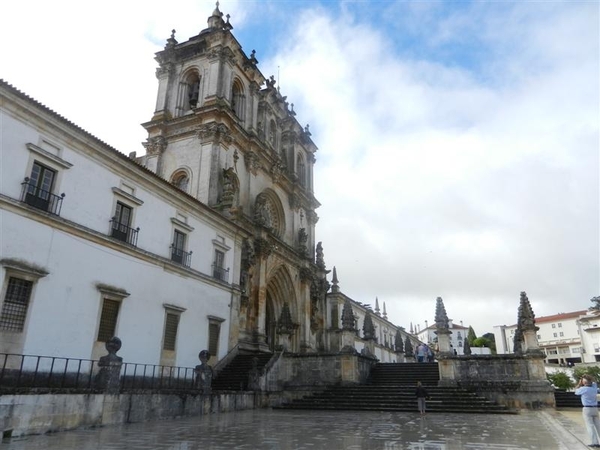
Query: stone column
{"points": [[348, 327], [109, 377], [526, 325], [442, 328]]}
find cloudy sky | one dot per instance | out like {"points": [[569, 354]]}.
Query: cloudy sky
{"points": [[458, 141]]}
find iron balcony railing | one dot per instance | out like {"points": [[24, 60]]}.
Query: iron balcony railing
{"points": [[40, 198], [182, 257], [220, 273], [24, 372], [123, 232]]}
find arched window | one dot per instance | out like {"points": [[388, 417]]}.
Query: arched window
{"points": [[188, 96], [301, 170], [238, 100], [181, 180], [272, 133]]}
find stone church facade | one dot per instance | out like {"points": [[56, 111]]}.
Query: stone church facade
{"points": [[223, 133], [207, 241]]}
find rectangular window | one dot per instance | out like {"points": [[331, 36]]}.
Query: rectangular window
{"points": [[559, 325], [539, 336], [553, 325], [214, 330], [554, 334], [39, 187], [121, 221], [219, 271], [562, 334], [178, 247], [170, 337], [108, 319], [16, 303]]}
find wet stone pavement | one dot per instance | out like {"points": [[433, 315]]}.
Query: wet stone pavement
{"points": [[314, 430]]}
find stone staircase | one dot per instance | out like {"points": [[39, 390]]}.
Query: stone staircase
{"points": [[391, 387], [234, 377]]}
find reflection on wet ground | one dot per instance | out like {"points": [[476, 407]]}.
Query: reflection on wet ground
{"points": [[314, 430]]}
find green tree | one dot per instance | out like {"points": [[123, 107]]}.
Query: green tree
{"points": [[594, 371], [471, 336], [481, 342], [561, 380], [492, 339]]}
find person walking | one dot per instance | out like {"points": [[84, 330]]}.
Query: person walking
{"points": [[420, 352], [587, 390], [422, 395]]}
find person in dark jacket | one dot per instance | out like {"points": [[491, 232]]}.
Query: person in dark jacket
{"points": [[422, 395]]}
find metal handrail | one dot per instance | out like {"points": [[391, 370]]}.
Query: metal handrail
{"points": [[55, 373], [123, 232], [40, 198], [180, 256], [220, 273]]}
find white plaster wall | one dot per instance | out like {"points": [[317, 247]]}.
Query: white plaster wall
{"points": [[64, 313], [65, 307]]}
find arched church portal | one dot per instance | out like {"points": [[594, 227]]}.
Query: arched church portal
{"points": [[280, 290]]}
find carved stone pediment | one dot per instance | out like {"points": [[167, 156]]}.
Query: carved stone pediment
{"points": [[213, 131], [263, 247], [276, 171]]}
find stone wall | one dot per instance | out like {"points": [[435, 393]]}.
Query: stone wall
{"points": [[310, 371], [43, 413], [514, 381]]}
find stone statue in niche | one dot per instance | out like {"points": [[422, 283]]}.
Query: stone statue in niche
{"points": [[302, 240], [194, 92], [228, 187], [261, 212]]}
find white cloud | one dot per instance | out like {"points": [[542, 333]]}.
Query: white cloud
{"points": [[458, 144], [468, 184]]}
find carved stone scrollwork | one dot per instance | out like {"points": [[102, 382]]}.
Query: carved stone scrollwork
{"points": [[248, 260], [215, 132], [263, 248], [276, 171], [294, 201], [155, 145], [262, 217], [306, 275], [285, 324], [252, 162], [320, 261], [312, 217], [228, 187], [302, 240]]}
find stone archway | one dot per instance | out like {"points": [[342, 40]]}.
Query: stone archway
{"points": [[280, 290]]}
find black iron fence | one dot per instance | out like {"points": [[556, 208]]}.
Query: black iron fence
{"points": [[49, 373], [40, 198], [123, 232], [220, 273]]}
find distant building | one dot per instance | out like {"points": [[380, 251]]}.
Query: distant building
{"points": [[559, 336], [457, 338]]}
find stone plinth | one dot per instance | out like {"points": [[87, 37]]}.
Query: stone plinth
{"points": [[511, 380]]}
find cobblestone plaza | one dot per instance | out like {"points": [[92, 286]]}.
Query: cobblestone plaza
{"points": [[314, 430]]}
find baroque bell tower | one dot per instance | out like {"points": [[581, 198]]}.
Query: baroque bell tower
{"points": [[223, 133]]}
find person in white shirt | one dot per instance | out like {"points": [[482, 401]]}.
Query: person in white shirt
{"points": [[587, 389]]}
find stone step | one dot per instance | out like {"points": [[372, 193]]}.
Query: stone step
{"points": [[391, 387]]}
